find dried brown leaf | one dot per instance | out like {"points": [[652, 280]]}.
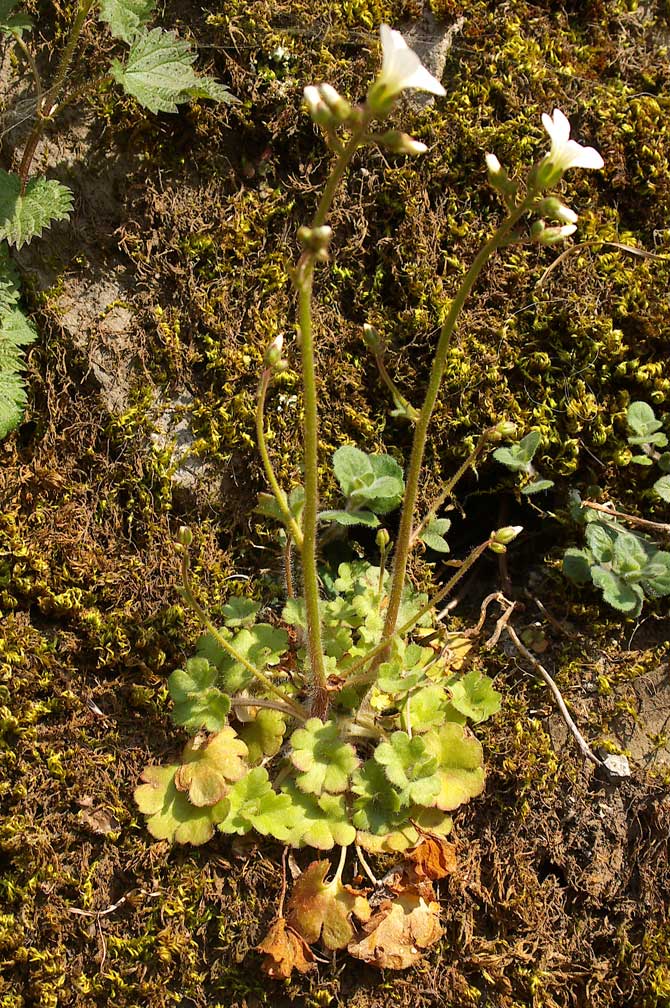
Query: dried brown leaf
{"points": [[433, 858], [398, 935], [284, 950]]}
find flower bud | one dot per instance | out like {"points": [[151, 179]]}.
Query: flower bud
{"points": [[315, 239], [498, 177], [382, 539], [401, 143], [552, 208], [497, 548], [273, 353], [552, 235], [502, 431], [317, 108], [184, 536], [504, 536], [372, 339], [337, 105]]}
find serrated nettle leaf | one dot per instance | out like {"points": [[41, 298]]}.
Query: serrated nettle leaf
{"points": [[158, 73], [210, 765], [25, 216], [15, 334], [460, 765], [126, 17], [410, 767], [351, 466], [624, 597], [475, 697], [254, 805], [600, 541], [662, 487], [263, 736], [13, 23], [326, 763], [537, 486], [433, 535], [642, 419], [350, 518], [517, 457], [170, 815], [323, 821], [12, 402]]}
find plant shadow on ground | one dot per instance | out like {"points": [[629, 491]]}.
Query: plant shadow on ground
{"points": [[561, 896]]}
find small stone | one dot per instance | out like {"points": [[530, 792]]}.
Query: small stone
{"points": [[617, 766]]}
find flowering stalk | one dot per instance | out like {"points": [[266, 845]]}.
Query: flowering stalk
{"points": [[316, 239], [404, 541], [279, 494]]}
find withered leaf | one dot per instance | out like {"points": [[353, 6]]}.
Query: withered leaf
{"points": [[284, 950], [320, 909], [433, 857], [398, 935]]}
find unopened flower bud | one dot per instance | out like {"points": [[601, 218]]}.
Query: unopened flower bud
{"points": [[498, 177], [504, 536], [273, 353], [382, 539], [502, 431], [184, 536], [401, 143], [315, 239], [372, 339], [317, 108], [337, 105], [552, 208]]}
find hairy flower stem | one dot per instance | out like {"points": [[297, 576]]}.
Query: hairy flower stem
{"points": [[279, 494], [303, 279], [46, 102], [188, 595], [404, 541], [377, 652]]}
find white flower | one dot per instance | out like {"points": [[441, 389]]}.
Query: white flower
{"points": [[401, 68], [566, 153], [402, 143], [493, 165], [551, 235]]}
